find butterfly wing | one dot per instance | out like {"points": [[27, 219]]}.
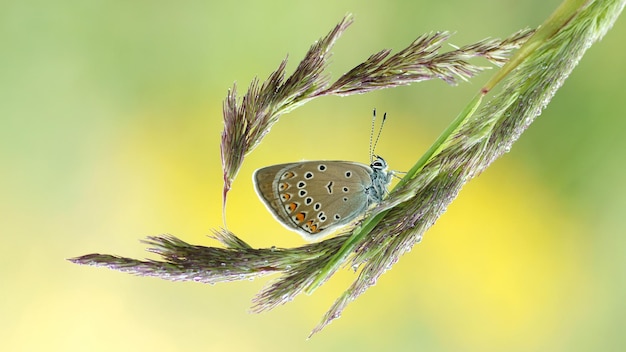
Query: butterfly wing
{"points": [[314, 197], [265, 182]]}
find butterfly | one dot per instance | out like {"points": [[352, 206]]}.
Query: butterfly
{"points": [[314, 198]]}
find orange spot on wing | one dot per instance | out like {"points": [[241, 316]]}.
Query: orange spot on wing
{"points": [[312, 226], [300, 217], [287, 175]]}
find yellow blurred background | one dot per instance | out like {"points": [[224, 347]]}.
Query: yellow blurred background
{"points": [[110, 125]]}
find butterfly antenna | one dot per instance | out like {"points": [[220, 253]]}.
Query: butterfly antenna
{"points": [[372, 136], [380, 130]]}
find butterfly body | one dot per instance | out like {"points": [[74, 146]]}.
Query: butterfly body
{"points": [[315, 197]]}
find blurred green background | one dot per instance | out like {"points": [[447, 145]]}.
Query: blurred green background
{"points": [[110, 120]]}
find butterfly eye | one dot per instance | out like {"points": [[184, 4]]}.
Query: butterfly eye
{"points": [[379, 164]]}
